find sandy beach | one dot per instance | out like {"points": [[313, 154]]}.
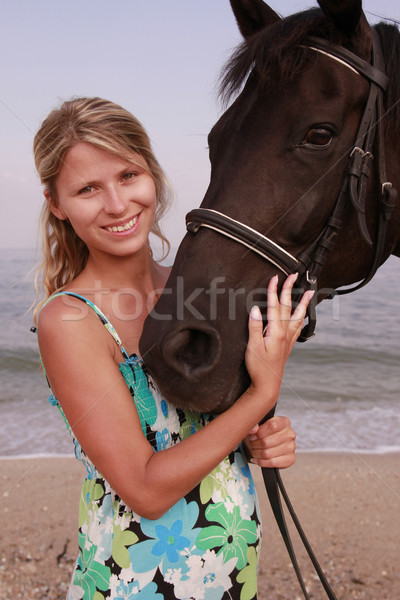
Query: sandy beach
{"points": [[348, 505]]}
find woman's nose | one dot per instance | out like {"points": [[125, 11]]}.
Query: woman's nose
{"points": [[115, 201]]}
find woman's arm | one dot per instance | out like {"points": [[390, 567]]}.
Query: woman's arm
{"points": [[85, 378]]}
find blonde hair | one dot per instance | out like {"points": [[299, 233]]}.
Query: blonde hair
{"points": [[108, 127]]}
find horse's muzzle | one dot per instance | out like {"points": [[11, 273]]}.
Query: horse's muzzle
{"points": [[192, 352], [189, 367]]}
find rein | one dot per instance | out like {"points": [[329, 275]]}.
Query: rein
{"points": [[310, 262]]}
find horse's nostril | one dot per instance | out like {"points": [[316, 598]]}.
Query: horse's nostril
{"points": [[192, 352]]}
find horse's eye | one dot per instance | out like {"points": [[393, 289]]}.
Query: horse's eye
{"points": [[318, 136]]}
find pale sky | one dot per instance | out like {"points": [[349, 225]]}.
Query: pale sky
{"points": [[160, 59]]}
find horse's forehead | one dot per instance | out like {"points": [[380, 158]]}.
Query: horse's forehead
{"points": [[323, 89]]}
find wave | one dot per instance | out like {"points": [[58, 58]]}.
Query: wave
{"points": [[36, 456], [336, 354], [381, 450], [339, 450], [12, 359], [17, 360]]}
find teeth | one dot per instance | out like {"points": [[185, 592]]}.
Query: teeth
{"points": [[125, 227]]}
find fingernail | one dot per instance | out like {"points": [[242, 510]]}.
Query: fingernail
{"points": [[255, 313]]}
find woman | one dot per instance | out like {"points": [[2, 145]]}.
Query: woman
{"points": [[168, 508]]}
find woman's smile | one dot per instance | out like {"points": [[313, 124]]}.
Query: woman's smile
{"points": [[125, 227]]}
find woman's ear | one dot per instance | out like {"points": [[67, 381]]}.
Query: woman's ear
{"points": [[56, 210]]}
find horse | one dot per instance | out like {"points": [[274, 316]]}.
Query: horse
{"points": [[303, 179]]}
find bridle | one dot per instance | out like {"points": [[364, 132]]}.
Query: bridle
{"points": [[310, 262]]}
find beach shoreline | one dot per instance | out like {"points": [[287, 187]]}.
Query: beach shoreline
{"points": [[348, 505]]}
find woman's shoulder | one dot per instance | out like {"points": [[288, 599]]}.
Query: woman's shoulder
{"points": [[67, 317], [71, 334], [63, 307]]}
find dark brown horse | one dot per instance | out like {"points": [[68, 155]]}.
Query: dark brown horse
{"points": [[307, 154]]}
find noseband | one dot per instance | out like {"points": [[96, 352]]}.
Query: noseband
{"points": [[310, 263]]}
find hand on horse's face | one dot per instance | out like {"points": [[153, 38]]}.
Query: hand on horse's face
{"points": [[272, 444], [266, 355]]}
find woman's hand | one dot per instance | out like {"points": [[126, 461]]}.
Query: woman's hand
{"points": [[272, 444], [266, 354]]}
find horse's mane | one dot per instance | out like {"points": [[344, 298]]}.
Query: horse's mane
{"points": [[390, 39], [277, 56]]}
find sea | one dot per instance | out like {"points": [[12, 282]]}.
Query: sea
{"points": [[341, 389]]}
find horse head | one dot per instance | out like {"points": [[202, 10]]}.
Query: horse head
{"points": [[286, 162]]}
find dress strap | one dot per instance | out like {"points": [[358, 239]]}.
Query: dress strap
{"points": [[110, 328]]}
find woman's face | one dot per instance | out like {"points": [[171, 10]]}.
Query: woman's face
{"points": [[109, 201]]}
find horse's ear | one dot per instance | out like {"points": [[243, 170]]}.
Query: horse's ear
{"points": [[345, 14], [349, 18], [253, 15]]}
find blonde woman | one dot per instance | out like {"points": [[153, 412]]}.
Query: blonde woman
{"points": [[168, 507]]}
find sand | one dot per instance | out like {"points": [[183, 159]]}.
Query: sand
{"points": [[348, 505]]}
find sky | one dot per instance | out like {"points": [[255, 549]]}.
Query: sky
{"points": [[160, 59]]}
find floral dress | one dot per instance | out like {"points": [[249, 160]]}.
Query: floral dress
{"points": [[205, 547]]}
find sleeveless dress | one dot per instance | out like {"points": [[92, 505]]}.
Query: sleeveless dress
{"points": [[206, 547]]}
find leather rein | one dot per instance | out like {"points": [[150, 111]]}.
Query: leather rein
{"points": [[310, 262]]}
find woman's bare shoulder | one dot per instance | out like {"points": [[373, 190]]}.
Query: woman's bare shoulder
{"points": [[65, 322], [61, 311]]}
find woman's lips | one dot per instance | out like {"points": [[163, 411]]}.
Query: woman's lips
{"points": [[122, 228]]}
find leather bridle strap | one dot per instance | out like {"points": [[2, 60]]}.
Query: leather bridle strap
{"points": [[374, 73], [388, 195], [355, 181], [354, 184], [245, 235]]}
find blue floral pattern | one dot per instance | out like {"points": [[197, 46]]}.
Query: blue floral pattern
{"points": [[205, 547]]}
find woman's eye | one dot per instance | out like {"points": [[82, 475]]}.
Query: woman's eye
{"points": [[318, 136], [86, 190], [128, 176]]}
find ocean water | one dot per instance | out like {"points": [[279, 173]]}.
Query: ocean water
{"points": [[341, 389]]}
